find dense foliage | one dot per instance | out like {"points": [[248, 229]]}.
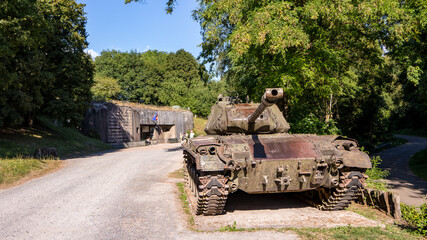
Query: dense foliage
{"points": [[357, 65], [105, 88], [159, 78], [42, 64], [361, 63]]}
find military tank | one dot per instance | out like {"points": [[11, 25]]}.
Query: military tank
{"points": [[248, 148]]}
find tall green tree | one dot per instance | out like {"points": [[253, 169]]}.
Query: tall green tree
{"points": [[329, 56], [138, 74], [42, 61], [21, 60], [105, 88], [72, 69], [411, 57], [160, 78]]}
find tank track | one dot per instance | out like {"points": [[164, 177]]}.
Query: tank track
{"points": [[207, 194], [337, 198]]}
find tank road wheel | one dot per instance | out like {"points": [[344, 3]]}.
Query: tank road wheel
{"points": [[337, 198]]}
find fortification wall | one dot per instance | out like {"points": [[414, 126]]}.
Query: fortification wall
{"points": [[114, 123]]}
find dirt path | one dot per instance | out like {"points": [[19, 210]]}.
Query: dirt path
{"points": [[411, 188]]}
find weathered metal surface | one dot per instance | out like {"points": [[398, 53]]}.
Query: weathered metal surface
{"points": [[252, 152]]}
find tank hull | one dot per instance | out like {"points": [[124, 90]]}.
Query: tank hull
{"points": [[274, 163], [249, 149]]}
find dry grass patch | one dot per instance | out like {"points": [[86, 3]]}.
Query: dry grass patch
{"points": [[15, 171], [152, 107], [177, 174]]}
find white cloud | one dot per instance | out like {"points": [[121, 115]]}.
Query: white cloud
{"points": [[147, 48], [92, 53]]}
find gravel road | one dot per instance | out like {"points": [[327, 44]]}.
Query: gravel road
{"points": [[411, 188], [118, 195]]}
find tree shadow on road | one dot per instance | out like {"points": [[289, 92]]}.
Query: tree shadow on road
{"points": [[180, 148]]}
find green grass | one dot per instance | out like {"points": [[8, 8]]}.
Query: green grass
{"points": [[185, 204], [233, 228], [369, 233], [199, 126], [418, 164], [17, 147], [391, 230], [67, 141], [14, 169]]}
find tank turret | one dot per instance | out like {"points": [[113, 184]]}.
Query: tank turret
{"points": [[228, 117]]}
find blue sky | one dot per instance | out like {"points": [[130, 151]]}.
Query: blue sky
{"points": [[112, 24]]}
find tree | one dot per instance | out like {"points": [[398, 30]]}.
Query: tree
{"points": [[411, 58], [42, 61], [160, 78], [69, 96], [170, 4], [138, 74], [327, 55], [105, 88], [21, 81]]}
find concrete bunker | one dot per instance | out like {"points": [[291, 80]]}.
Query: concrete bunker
{"points": [[122, 124]]}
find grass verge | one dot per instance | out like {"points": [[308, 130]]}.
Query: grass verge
{"points": [[418, 164], [17, 170], [185, 204], [370, 233], [67, 141], [177, 174], [391, 230], [17, 147]]}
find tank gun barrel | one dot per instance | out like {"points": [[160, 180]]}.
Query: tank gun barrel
{"points": [[270, 97]]}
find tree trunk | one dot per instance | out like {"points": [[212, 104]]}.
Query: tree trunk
{"points": [[329, 109]]}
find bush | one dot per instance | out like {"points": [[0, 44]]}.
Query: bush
{"points": [[312, 124], [416, 217], [376, 174]]}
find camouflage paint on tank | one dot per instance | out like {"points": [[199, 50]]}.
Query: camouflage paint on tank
{"points": [[248, 148]]}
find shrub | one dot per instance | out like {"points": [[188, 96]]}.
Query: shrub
{"points": [[312, 124], [416, 217], [376, 174]]}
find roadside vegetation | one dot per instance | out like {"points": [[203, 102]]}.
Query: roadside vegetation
{"points": [[15, 170], [199, 126], [17, 147], [68, 142], [377, 175], [185, 205], [369, 233], [415, 218], [418, 164]]}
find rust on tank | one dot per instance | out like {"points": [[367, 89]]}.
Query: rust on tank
{"points": [[282, 148], [249, 149]]}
